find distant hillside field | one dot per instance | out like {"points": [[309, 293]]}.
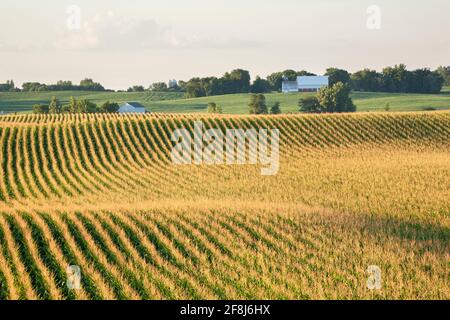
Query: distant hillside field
{"points": [[100, 192], [24, 101], [231, 104]]}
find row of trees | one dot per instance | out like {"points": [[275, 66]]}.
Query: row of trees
{"points": [[399, 79], [75, 106], [236, 81], [391, 79], [85, 85]]}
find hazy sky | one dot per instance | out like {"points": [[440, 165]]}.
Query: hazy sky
{"points": [[122, 43]]}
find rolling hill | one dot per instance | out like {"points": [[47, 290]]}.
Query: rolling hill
{"points": [[231, 104], [101, 192]]}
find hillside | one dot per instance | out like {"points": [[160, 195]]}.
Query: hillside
{"points": [[24, 101], [365, 101], [231, 104], [100, 192]]}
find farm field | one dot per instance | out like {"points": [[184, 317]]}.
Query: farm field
{"points": [[100, 191], [231, 104], [365, 101], [22, 102]]}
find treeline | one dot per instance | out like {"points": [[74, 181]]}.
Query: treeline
{"points": [[75, 106], [236, 81], [390, 79], [85, 85], [9, 86], [399, 79]]}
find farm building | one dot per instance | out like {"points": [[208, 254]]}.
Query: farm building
{"points": [[132, 107], [304, 84]]}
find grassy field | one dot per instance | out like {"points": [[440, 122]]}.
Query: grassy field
{"points": [[24, 101], [237, 104], [100, 192], [231, 104]]}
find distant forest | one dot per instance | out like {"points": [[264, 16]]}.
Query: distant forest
{"points": [[390, 79]]}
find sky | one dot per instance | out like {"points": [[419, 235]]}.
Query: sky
{"points": [[137, 42]]}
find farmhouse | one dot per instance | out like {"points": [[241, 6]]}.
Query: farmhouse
{"points": [[132, 107], [304, 84]]}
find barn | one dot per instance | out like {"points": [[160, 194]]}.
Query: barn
{"points": [[305, 84], [132, 107]]}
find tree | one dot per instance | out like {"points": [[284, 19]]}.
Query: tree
{"points": [[366, 80], [275, 109], [65, 85], [62, 85], [260, 86], [73, 105], [275, 80], [237, 81], [399, 79], [40, 108], [136, 89], [54, 106], [195, 89], [336, 98], [337, 75], [257, 104], [109, 107], [34, 86], [309, 104], [425, 81], [212, 107], [85, 106], [90, 85], [394, 79], [212, 86], [158, 87], [444, 72]]}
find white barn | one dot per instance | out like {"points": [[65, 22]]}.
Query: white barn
{"points": [[132, 107], [305, 84]]}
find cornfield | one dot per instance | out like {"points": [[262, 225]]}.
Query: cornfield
{"points": [[101, 192]]}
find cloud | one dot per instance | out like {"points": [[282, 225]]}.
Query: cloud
{"points": [[112, 32], [108, 31]]}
